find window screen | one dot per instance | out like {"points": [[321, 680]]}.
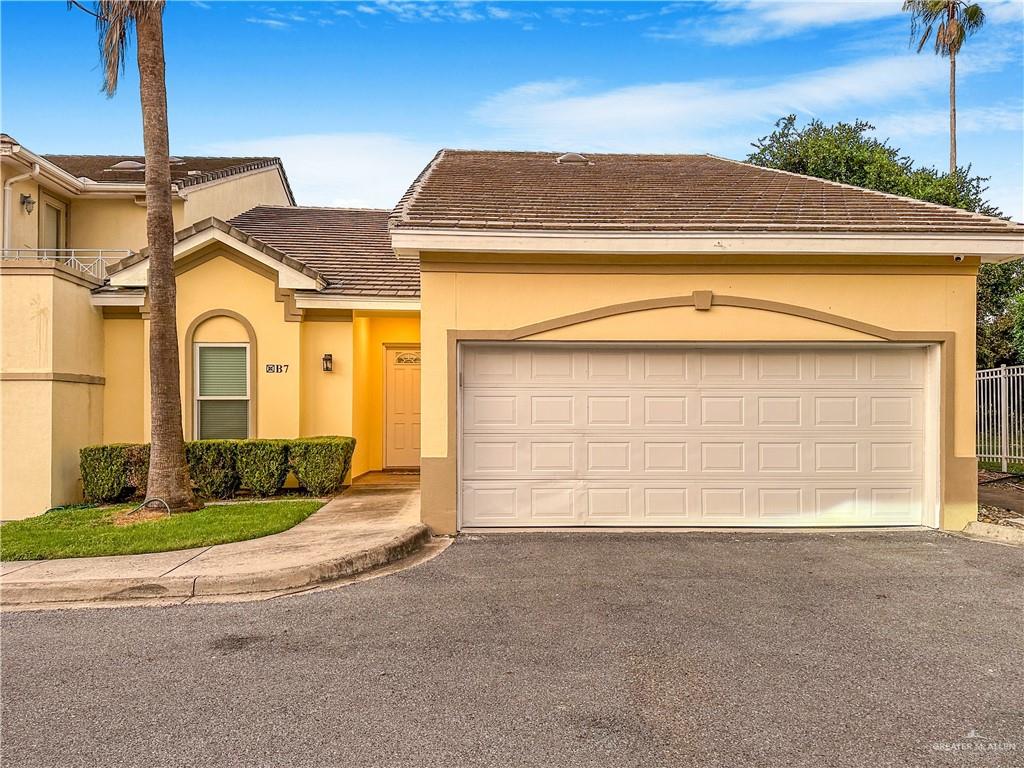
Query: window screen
{"points": [[222, 401]]}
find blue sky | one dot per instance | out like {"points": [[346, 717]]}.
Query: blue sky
{"points": [[357, 96]]}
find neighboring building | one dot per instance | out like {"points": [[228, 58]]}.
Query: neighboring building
{"points": [[65, 218], [627, 340]]}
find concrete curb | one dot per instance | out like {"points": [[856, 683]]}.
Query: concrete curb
{"points": [[1003, 534], [297, 577]]}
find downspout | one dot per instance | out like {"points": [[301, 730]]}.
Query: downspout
{"points": [[8, 202]]}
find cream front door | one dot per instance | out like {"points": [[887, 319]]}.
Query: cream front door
{"points": [[402, 408]]}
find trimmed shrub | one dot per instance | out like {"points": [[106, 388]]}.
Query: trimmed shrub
{"points": [[262, 465], [105, 472], [211, 465], [321, 463], [137, 468], [218, 468]]}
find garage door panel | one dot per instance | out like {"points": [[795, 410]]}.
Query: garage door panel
{"points": [[583, 435], [654, 367], [587, 409], [636, 503], [804, 458]]}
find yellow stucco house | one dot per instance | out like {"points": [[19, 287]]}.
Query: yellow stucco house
{"points": [[607, 340]]}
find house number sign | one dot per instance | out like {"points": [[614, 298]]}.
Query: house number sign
{"points": [[277, 367]]}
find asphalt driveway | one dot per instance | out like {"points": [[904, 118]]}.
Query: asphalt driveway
{"points": [[810, 649]]}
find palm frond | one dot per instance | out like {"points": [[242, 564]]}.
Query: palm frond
{"points": [[951, 21], [115, 20], [973, 18]]}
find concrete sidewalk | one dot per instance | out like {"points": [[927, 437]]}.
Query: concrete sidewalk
{"points": [[364, 528]]}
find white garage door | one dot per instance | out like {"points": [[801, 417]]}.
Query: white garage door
{"points": [[657, 436]]}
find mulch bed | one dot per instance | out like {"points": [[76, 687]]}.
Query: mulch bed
{"points": [[1007, 482], [1001, 479], [133, 516], [987, 514]]}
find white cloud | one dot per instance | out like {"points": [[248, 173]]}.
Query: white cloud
{"points": [[417, 10], [1005, 12], [935, 122], [499, 13], [364, 170], [694, 114], [272, 23], [738, 22], [759, 20]]}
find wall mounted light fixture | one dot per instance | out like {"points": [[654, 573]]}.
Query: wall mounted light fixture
{"points": [[328, 361], [27, 203]]}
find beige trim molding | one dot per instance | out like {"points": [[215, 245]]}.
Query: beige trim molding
{"points": [[290, 273], [690, 264], [328, 301], [189, 368], [409, 242], [118, 300], [48, 268], [67, 378], [439, 482]]}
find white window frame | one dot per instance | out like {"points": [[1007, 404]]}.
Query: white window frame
{"points": [[197, 398]]}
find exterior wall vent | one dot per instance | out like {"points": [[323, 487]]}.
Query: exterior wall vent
{"points": [[572, 158], [128, 165]]}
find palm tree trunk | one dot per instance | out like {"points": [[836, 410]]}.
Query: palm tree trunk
{"points": [[168, 472], [952, 112]]}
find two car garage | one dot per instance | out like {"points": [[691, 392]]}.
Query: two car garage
{"points": [[582, 434]]}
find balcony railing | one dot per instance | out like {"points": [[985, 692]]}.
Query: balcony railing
{"points": [[90, 261]]}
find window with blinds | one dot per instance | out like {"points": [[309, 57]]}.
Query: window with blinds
{"points": [[222, 391]]}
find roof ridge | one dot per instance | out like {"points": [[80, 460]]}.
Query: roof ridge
{"points": [[318, 208], [142, 154], [401, 210], [1010, 223], [582, 152]]}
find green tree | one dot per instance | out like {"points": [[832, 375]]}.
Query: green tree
{"points": [[952, 21], [116, 20], [848, 153]]}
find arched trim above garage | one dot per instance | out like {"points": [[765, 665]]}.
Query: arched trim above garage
{"points": [[702, 300]]}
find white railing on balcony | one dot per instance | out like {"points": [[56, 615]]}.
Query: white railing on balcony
{"points": [[89, 261], [1000, 418]]}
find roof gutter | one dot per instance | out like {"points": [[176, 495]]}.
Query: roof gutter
{"points": [[8, 201], [410, 243], [58, 176], [368, 303]]}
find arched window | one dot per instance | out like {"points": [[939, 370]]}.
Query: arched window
{"points": [[220, 376]]}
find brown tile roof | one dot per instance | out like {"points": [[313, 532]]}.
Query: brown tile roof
{"points": [[214, 223], [661, 193], [186, 171], [350, 247]]}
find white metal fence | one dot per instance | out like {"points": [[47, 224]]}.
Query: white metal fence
{"points": [[1001, 416], [89, 261]]}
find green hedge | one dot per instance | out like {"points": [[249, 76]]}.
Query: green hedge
{"points": [[211, 465], [262, 465], [321, 463], [218, 468], [104, 472], [114, 472]]}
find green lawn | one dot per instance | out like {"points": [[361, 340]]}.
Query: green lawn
{"points": [[89, 532]]}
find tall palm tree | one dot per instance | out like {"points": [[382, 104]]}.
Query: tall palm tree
{"points": [[115, 20], [952, 21]]}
